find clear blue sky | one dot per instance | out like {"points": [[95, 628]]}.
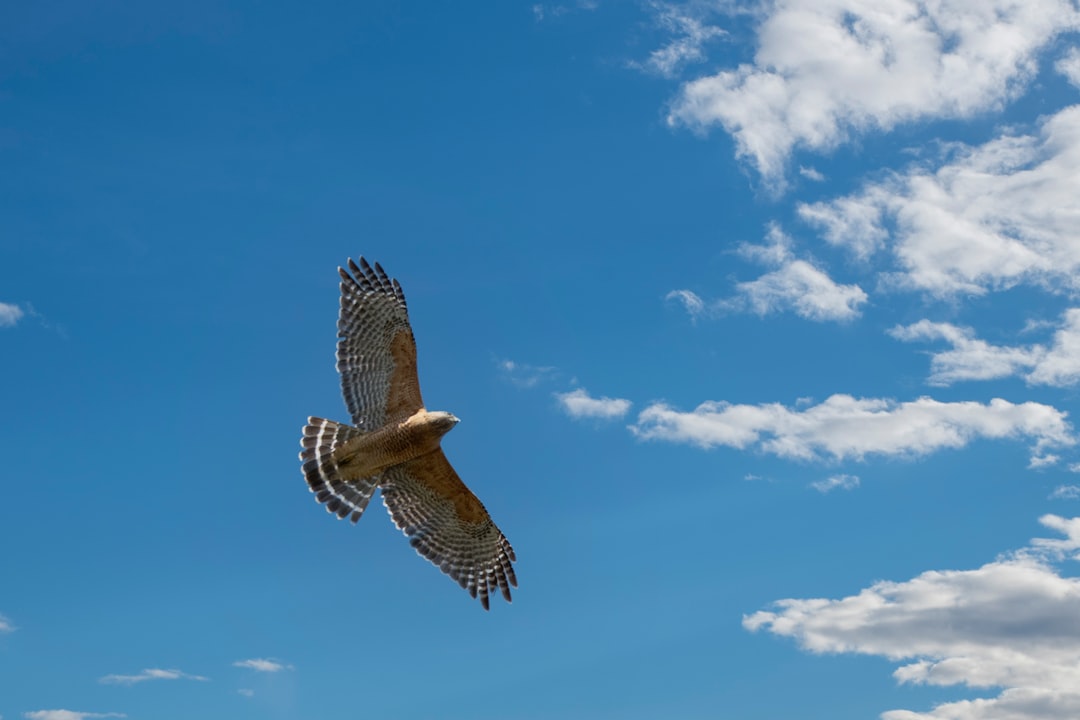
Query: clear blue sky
{"points": [[761, 320]]}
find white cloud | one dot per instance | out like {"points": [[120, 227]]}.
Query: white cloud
{"points": [[1054, 548], [828, 69], [690, 33], [1061, 363], [10, 314], [1069, 66], [1066, 492], [246, 692], [149, 674], [844, 427], [836, 482], [989, 218], [68, 715], [809, 292], [1013, 623], [811, 173], [856, 222], [5, 624], [973, 359], [794, 285], [1011, 704], [1041, 461], [579, 404], [969, 358], [262, 665]]}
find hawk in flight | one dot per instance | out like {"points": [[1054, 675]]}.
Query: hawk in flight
{"points": [[393, 443]]}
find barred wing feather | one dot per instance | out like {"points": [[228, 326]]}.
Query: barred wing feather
{"points": [[448, 525], [376, 352]]}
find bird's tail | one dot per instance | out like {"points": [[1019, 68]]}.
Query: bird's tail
{"points": [[324, 478]]}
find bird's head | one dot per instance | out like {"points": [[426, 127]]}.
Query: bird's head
{"points": [[443, 421]]}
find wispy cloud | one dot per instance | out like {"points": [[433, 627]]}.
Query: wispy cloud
{"points": [[689, 34], [68, 715], [987, 218], [690, 300], [262, 665], [149, 674], [579, 404], [6, 625], [545, 11], [973, 359], [794, 285], [836, 482], [246, 692], [1012, 624], [826, 71], [1066, 492], [10, 314], [844, 427], [523, 374]]}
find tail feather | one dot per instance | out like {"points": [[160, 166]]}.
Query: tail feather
{"points": [[320, 439]]}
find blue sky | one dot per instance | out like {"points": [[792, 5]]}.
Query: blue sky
{"points": [[761, 319]]}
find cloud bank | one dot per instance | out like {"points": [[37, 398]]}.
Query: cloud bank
{"points": [[1013, 624], [844, 427], [827, 70]]}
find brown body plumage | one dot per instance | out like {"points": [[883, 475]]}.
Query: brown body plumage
{"points": [[374, 452]]}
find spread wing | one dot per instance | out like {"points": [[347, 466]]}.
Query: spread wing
{"points": [[448, 525], [376, 352]]}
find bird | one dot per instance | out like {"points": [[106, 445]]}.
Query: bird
{"points": [[394, 443]]}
